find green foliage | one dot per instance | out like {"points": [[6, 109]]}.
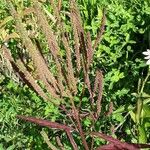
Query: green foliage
{"points": [[16, 99], [119, 55]]}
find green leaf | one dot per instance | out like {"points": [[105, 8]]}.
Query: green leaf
{"points": [[1, 147], [127, 37], [141, 31], [146, 111], [119, 110], [7, 19], [147, 125], [118, 117], [146, 101], [117, 76], [87, 122], [12, 147], [142, 134], [145, 95], [76, 99], [132, 114]]}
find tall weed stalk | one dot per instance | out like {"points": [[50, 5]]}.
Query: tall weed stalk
{"points": [[60, 86]]}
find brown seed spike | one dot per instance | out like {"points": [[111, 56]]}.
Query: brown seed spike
{"points": [[78, 32], [56, 10], [95, 83], [52, 43], [70, 72], [101, 30], [20, 68], [59, 5], [41, 68], [76, 42], [90, 50], [100, 89], [110, 109]]}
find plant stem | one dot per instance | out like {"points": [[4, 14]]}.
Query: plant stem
{"points": [[145, 80], [140, 101], [77, 118], [80, 130], [47, 141]]}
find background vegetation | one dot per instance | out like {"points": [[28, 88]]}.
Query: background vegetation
{"points": [[119, 56]]}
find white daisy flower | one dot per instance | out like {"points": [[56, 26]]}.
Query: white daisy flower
{"points": [[147, 54]]}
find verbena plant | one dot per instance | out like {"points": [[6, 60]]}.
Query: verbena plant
{"points": [[63, 75]]}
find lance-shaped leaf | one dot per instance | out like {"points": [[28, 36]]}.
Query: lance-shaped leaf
{"points": [[45, 123], [119, 145], [53, 125]]}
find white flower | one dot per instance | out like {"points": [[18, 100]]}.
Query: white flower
{"points": [[147, 53]]}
